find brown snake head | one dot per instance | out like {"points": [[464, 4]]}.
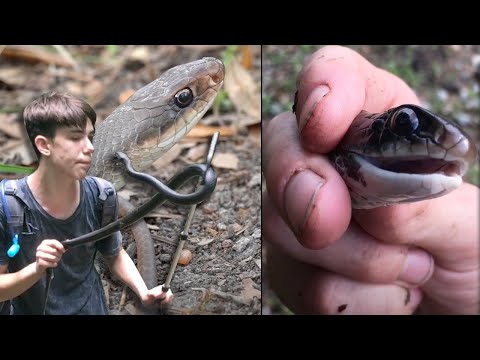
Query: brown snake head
{"points": [[405, 154], [153, 119]]}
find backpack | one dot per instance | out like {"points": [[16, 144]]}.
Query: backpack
{"points": [[14, 204]]}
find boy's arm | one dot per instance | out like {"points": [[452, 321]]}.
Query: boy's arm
{"points": [[49, 253], [122, 266], [14, 284]]}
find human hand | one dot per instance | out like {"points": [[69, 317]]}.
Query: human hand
{"points": [[363, 261], [156, 295], [48, 254]]}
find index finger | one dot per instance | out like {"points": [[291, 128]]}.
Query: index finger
{"points": [[446, 226], [57, 245], [335, 85]]}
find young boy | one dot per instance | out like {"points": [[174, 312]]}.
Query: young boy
{"points": [[62, 203]]}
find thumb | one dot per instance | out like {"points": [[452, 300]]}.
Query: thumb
{"points": [[335, 85]]}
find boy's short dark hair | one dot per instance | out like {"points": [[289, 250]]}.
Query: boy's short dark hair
{"points": [[54, 110]]}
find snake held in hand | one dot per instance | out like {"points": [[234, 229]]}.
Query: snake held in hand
{"points": [[403, 155]]}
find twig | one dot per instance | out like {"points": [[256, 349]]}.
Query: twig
{"points": [[66, 55], [177, 310], [240, 174], [165, 240], [123, 299], [107, 293], [224, 295]]}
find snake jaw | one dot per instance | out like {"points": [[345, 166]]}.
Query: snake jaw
{"points": [[419, 165], [373, 186]]}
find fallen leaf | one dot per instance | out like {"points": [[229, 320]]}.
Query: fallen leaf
{"points": [[10, 126], [237, 227], [163, 216], [140, 53], [21, 153], [246, 259], [205, 242], [153, 227], [15, 76], [258, 263], [133, 310], [93, 89], [168, 157], [243, 214], [211, 231], [201, 131], [106, 289], [186, 143], [225, 161], [126, 194], [203, 48], [197, 152], [247, 57], [242, 90], [34, 55], [256, 133], [241, 230], [249, 292], [74, 88]]}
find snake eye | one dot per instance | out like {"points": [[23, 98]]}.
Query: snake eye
{"points": [[183, 98], [404, 122]]}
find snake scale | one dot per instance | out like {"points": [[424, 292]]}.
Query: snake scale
{"points": [[147, 125]]}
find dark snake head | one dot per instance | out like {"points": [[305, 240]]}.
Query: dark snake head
{"points": [[405, 154]]}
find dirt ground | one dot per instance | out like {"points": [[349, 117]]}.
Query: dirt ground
{"points": [[224, 275], [445, 77]]}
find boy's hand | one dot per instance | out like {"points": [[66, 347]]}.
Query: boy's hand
{"points": [[158, 296], [49, 253]]}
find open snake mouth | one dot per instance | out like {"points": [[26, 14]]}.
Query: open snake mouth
{"points": [[382, 181], [418, 165], [404, 154]]}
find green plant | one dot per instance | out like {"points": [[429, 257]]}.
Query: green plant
{"points": [[15, 169]]}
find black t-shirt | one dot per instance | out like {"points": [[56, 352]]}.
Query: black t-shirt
{"points": [[76, 287]]}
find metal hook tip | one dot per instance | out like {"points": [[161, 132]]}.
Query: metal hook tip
{"points": [[213, 145]]}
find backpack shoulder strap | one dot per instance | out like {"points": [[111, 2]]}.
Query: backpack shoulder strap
{"points": [[108, 199], [13, 205]]}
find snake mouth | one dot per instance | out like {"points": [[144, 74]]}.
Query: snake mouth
{"points": [[384, 181], [418, 165]]}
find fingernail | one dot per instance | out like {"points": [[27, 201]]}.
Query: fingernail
{"points": [[300, 197], [309, 107], [417, 268]]}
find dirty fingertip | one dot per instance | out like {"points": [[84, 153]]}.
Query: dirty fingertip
{"points": [[311, 104]]}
